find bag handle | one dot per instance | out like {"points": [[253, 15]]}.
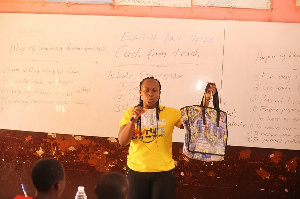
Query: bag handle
{"points": [[215, 103]]}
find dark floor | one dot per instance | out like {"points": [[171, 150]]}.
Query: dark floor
{"points": [[245, 172]]}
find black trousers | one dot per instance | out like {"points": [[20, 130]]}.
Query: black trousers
{"points": [[151, 185]]}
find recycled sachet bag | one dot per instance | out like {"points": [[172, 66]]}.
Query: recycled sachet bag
{"points": [[206, 132]]}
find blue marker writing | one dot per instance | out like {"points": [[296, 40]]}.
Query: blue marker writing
{"points": [[24, 190]]}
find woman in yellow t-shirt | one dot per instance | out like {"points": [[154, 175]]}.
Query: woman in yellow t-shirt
{"points": [[148, 128]]}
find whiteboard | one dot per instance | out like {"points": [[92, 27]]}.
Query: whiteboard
{"points": [[76, 75], [261, 85]]}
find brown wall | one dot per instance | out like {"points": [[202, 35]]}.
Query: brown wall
{"points": [[281, 10], [245, 172]]}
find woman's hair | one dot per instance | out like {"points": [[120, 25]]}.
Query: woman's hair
{"points": [[45, 173], [112, 185], [141, 101]]}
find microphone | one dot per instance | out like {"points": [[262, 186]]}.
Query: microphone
{"points": [[131, 119], [134, 116]]}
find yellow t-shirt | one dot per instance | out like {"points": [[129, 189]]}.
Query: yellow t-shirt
{"points": [[151, 150]]}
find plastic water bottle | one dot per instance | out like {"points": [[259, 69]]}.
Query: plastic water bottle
{"points": [[80, 193]]}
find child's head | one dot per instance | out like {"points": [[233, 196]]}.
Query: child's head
{"points": [[112, 185], [48, 173]]}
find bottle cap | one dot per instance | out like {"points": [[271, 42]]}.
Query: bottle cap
{"points": [[81, 188]]}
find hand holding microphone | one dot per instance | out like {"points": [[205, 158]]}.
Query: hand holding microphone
{"points": [[136, 113]]}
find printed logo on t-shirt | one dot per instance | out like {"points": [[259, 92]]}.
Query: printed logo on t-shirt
{"points": [[150, 127], [149, 135]]}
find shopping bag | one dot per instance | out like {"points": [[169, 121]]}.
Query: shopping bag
{"points": [[206, 132]]}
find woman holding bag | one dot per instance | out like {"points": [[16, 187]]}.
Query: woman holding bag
{"points": [[148, 128]]}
